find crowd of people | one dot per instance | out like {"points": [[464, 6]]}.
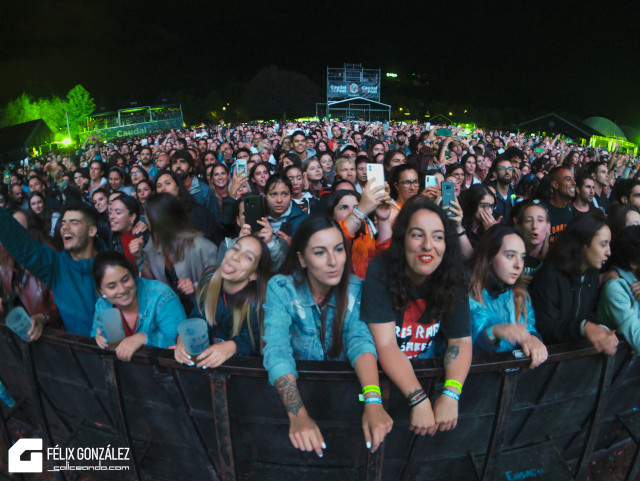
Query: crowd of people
{"points": [[277, 236]]}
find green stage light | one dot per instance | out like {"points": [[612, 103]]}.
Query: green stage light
{"points": [[66, 142], [392, 75]]}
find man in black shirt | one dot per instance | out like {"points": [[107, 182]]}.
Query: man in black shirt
{"points": [[563, 191]]}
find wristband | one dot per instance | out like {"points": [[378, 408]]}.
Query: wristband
{"points": [[451, 394], [415, 403], [358, 213], [454, 383], [460, 234], [371, 388], [355, 218], [373, 400]]}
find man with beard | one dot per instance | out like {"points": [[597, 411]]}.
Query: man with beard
{"points": [[401, 143], [585, 190], [505, 195], [146, 159], [630, 194], [162, 162], [67, 274], [17, 199], [559, 206], [184, 167]]}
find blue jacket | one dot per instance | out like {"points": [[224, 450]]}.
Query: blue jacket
{"points": [[159, 313], [289, 221], [70, 281], [618, 308], [292, 327], [496, 310]]}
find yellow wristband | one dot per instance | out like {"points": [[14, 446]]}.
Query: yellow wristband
{"points": [[454, 383], [371, 388]]}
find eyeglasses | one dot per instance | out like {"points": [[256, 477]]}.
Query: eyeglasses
{"points": [[486, 205], [409, 183], [504, 169]]}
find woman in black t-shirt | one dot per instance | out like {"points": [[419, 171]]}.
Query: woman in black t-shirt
{"points": [[412, 298]]}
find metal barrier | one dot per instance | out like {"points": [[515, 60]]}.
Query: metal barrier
{"points": [[229, 424]]}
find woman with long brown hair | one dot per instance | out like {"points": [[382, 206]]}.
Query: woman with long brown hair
{"points": [[502, 316]]}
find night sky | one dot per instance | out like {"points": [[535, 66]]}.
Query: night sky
{"points": [[579, 58]]}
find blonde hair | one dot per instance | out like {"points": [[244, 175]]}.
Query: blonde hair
{"points": [[207, 301]]}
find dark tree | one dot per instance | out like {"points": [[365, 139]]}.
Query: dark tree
{"points": [[275, 93]]}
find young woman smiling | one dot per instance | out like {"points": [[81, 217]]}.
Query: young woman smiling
{"points": [[316, 298], [150, 312], [415, 302]]}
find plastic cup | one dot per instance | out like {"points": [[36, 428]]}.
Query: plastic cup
{"points": [[19, 321], [194, 334], [110, 324]]}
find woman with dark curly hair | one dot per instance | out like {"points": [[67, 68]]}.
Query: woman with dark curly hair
{"points": [[414, 299]]}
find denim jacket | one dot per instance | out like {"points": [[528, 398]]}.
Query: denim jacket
{"points": [[497, 309], [159, 313], [292, 326]]}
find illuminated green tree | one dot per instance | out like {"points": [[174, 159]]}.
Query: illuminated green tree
{"points": [[79, 106], [20, 110]]}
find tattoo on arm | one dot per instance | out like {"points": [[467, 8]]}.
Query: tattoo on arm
{"points": [[451, 354], [414, 392], [288, 391]]}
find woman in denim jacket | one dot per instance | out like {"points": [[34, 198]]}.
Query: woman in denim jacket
{"points": [[312, 312], [149, 310], [502, 316]]}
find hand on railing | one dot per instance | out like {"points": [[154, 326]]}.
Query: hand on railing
{"points": [[422, 420], [376, 424]]}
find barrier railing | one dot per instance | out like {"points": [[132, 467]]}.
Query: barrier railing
{"points": [[229, 424]]}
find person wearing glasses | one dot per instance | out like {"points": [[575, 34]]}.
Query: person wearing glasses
{"points": [[404, 185], [505, 194]]}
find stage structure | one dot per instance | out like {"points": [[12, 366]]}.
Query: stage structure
{"points": [[353, 93], [134, 121]]}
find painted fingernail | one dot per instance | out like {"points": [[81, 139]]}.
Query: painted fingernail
{"points": [[321, 455], [324, 446], [368, 445], [191, 364], [189, 357]]}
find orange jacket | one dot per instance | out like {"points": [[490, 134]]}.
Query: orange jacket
{"points": [[364, 248]]}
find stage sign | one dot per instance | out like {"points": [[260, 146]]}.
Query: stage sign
{"points": [[340, 89], [133, 130]]}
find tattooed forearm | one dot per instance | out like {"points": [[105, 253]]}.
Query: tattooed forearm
{"points": [[288, 390], [451, 354]]}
